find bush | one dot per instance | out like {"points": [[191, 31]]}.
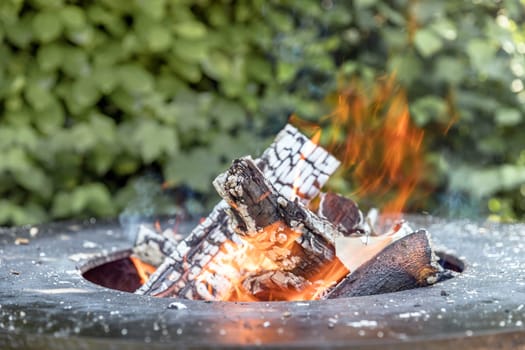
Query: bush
{"points": [[96, 93]]}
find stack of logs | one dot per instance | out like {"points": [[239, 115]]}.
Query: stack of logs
{"points": [[264, 241]]}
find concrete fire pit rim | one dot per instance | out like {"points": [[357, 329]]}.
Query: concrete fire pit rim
{"points": [[402, 317]]}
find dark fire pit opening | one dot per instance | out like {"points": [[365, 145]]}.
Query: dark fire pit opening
{"points": [[119, 272]]}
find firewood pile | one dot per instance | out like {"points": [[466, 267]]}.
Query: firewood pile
{"points": [[276, 236]]}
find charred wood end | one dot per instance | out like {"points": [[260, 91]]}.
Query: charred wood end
{"points": [[252, 199], [341, 212], [405, 264]]}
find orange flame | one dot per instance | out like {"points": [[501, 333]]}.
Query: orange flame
{"points": [[381, 150], [158, 227], [144, 270]]}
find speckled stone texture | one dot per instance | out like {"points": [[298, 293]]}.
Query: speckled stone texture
{"points": [[47, 304]]}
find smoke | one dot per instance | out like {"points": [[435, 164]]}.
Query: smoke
{"points": [[142, 205], [458, 205]]}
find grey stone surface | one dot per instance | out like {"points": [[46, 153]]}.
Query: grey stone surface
{"points": [[45, 303]]}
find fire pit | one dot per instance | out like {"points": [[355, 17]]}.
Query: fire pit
{"points": [[46, 303]]}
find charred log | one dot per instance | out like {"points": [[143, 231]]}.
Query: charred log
{"points": [[342, 212], [274, 285], [407, 263], [256, 204], [279, 233], [153, 247], [291, 160]]}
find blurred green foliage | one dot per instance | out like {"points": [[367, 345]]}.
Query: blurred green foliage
{"points": [[96, 93]]}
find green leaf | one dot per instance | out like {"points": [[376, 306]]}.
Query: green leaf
{"points": [[91, 199], [153, 8], [104, 78], [428, 9], [259, 68], [15, 160], [228, 114], [285, 71], [46, 26], [427, 43], [47, 4], [427, 109], [19, 117], [13, 214], [159, 38], [101, 159], [50, 119], [480, 52], [39, 95], [483, 182], [445, 28], [450, 69], [105, 129], [406, 66], [50, 57], [112, 21], [84, 92], [83, 138], [97, 198], [73, 17], [109, 54], [76, 62], [21, 32], [126, 165], [135, 79], [196, 168], [35, 180], [365, 3], [508, 117], [191, 50], [217, 65], [192, 110], [155, 140], [61, 205], [190, 29], [187, 71]]}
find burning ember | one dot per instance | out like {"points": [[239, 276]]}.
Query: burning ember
{"points": [[265, 242]]}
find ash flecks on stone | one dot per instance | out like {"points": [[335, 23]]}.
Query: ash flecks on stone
{"points": [[89, 245], [362, 324]]}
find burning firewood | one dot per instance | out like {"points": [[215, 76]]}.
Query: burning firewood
{"points": [[261, 242], [153, 247], [295, 166], [289, 238]]}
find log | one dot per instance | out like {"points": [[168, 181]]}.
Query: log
{"points": [[153, 247], [274, 285], [256, 204], [291, 161], [342, 212], [407, 263], [190, 255], [260, 215]]}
